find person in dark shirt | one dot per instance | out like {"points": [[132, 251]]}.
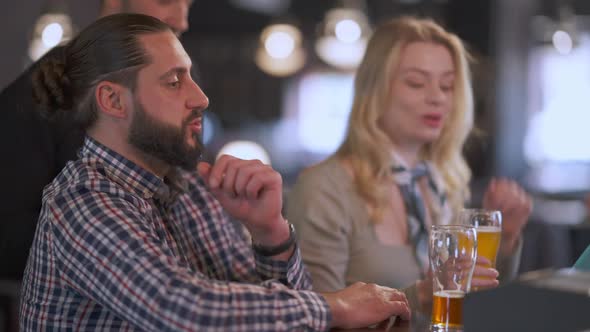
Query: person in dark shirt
{"points": [[36, 149]]}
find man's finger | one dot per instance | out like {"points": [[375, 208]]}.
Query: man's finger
{"points": [[398, 296], [218, 170], [232, 172], [204, 168], [244, 176], [401, 309]]}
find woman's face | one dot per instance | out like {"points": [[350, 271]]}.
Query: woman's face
{"points": [[421, 95]]}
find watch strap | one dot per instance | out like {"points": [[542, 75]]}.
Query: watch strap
{"points": [[279, 248]]}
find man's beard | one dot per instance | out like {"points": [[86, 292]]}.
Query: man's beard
{"points": [[163, 141]]}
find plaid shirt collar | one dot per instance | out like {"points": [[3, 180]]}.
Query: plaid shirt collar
{"points": [[133, 177]]}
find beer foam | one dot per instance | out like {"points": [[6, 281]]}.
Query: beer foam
{"points": [[455, 294], [488, 229]]}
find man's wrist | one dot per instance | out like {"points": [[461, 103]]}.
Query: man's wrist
{"points": [[274, 233], [278, 247], [335, 305]]}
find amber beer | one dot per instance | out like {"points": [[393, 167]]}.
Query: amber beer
{"points": [[447, 309], [488, 242]]}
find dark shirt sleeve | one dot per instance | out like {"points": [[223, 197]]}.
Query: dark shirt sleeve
{"points": [[32, 156]]}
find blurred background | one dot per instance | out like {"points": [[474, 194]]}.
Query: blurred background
{"points": [[279, 76]]}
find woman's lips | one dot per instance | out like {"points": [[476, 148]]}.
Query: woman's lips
{"points": [[432, 120]]}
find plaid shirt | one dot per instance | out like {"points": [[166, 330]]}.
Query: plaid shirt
{"points": [[118, 249]]}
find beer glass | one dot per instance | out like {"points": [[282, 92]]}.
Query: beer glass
{"points": [[452, 253], [488, 225]]}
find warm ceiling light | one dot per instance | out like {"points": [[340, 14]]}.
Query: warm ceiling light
{"points": [[562, 42], [50, 30], [560, 32], [52, 34], [343, 40], [280, 52], [348, 31], [279, 44]]}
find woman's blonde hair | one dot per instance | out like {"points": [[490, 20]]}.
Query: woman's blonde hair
{"points": [[368, 147]]}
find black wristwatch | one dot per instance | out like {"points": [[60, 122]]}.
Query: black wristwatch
{"points": [[279, 248]]}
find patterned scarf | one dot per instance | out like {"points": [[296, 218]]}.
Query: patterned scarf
{"points": [[408, 182]]}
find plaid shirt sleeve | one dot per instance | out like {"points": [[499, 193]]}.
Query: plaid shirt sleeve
{"points": [[246, 265], [291, 273], [105, 250]]}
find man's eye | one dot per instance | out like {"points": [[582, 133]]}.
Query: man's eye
{"points": [[175, 84]]}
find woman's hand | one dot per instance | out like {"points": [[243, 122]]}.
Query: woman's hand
{"points": [[515, 204], [483, 277]]}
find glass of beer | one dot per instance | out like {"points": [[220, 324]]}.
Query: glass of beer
{"points": [[488, 225], [452, 252]]}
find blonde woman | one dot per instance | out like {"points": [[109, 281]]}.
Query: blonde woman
{"points": [[364, 213]]}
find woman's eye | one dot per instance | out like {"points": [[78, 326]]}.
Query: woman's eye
{"points": [[446, 88], [415, 85]]}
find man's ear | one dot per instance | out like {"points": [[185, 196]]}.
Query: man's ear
{"points": [[111, 99]]}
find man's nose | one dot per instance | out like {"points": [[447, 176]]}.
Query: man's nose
{"points": [[198, 99]]}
